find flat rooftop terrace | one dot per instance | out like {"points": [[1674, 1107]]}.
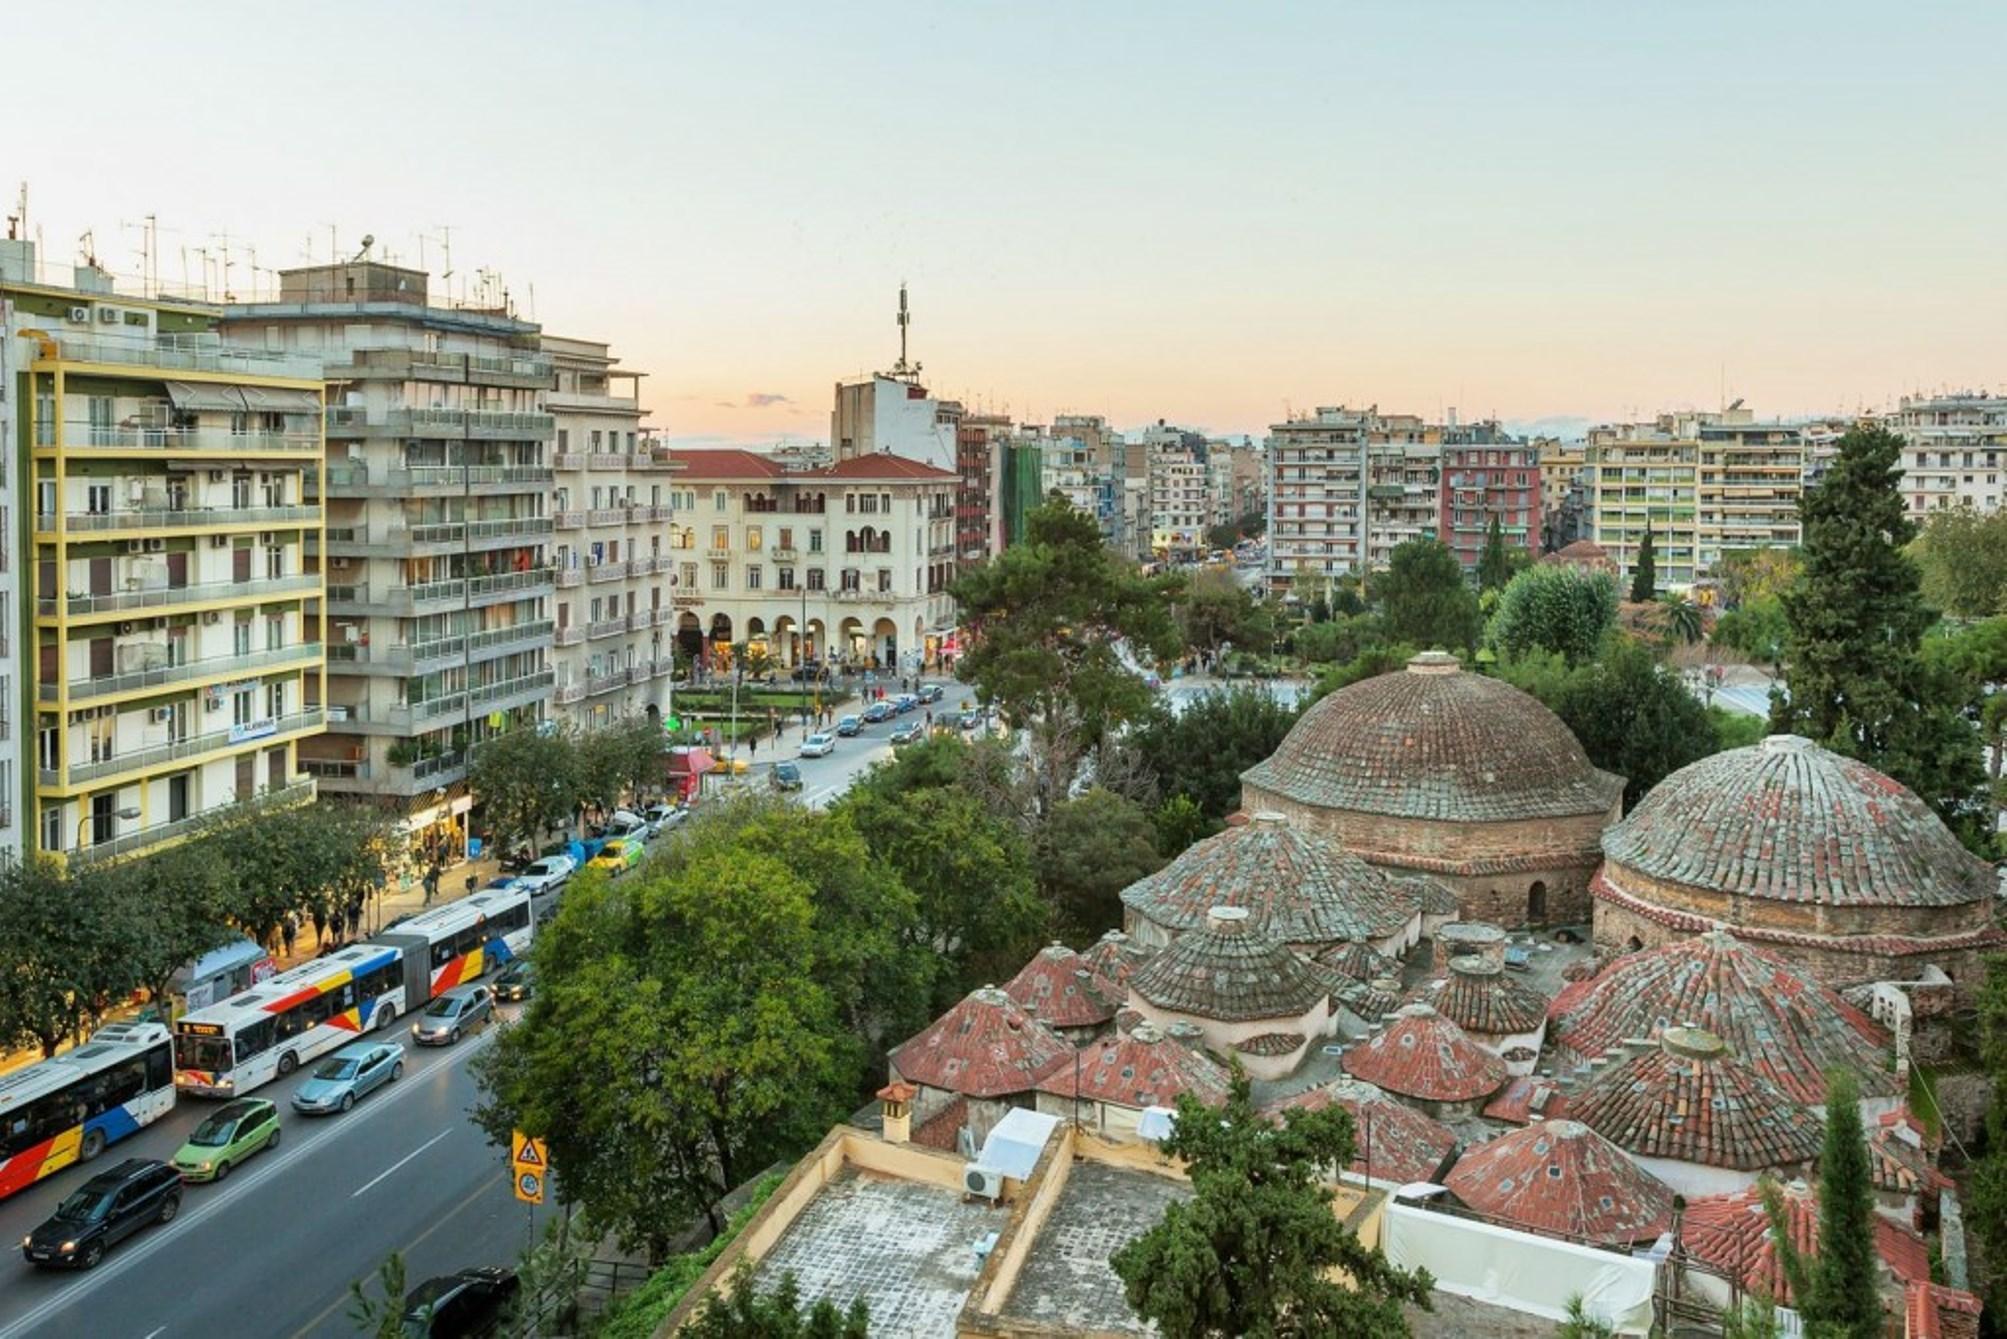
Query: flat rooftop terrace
{"points": [[1067, 1281]]}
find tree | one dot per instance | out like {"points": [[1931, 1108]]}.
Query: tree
{"points": [[1217, 610], [1338, 640], [754, 659], [1644, 576], [1756, 628], [1835, 1292], [1986, 1185], [1746, 575], [615, 761], [1179, 823], [1089, 849], [1681, 618], [1222, 536], [1375, 660], [179, 898], [1494, 565], [1857, 618], [1256, 1249], [1424, 599], [527, 784], [1555, 608], [744, 1312], [1962, 559], [1048, 619], [65, 941], [1201, 751], [1580, 1323], [380, 1317]]}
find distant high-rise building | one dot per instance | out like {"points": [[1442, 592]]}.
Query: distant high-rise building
{"points": [[1483, 482], [1954, 450], [892, 412], [1317, 496], [979, 461]]}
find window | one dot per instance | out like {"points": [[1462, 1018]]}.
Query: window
{"points": [[815, 579], [721, 537], [784, 578], [720, 500], [243, 709], [754, 537], [97, 499], [688, 578], [850, 578], [786, 537], [275, 562], [719, 575], [564, 439], [753, 577], [884, 580], [241, 635], [815, 541]]}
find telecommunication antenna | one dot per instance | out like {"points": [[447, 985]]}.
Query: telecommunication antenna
{"points": [[903, 368], [17, 222]]}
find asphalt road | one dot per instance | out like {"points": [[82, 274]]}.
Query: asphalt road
{"points": [[271, 1250], [823, 779]]}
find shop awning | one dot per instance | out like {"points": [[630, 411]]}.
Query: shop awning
{"points": [[267, 400], [690, 762], [201, 396]]}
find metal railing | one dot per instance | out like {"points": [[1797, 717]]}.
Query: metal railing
{"points": [[569, 635], [595, 684], [160, 597], [184, 518], [299, 653], [568, 577], [139, 759], [605, 627], [189, 354], [221, 441], [139, 838]]}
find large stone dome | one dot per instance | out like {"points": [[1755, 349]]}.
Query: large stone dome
{"points": [[1827, 860], [1443, 772]]}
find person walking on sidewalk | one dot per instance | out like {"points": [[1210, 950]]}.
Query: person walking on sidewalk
{"points": [[289, 930], [431, 882]]}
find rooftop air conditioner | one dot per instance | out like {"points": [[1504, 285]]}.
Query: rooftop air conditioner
{"points": [[215, 476], [986, 1182], [219, 541], [108, 315], [135, 546], [156, 546], [211, 617], [81, 315]]}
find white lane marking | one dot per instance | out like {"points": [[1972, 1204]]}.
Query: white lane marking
{"points": [[234, 1188], [157, 1333], [373, 1181]]}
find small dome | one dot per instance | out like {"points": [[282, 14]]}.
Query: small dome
{"points": [[1145, 1068], [1301, 888], [1687, 1099], [1063, 991], [1786, 820], [1560, 1176], [1228, 971], [1394, 1141], [986, 1046], [1480, 998], [1436, 743], [1427, 1057]]}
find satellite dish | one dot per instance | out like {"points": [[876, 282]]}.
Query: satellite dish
{"points": [[368, 241]]}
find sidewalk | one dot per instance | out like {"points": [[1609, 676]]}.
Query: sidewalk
{"points": [[394, 902]]}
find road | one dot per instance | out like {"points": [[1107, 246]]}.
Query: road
{"points": [[272, 1250], [823, 779]]}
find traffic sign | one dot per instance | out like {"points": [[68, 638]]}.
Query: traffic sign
{"points": [[529, 1187], [527, 1154]]}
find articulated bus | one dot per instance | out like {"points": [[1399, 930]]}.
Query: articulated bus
{"points": [[271, 1029], [70, 1108]]}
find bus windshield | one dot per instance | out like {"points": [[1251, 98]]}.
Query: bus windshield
{"points": [[205, 1053]]}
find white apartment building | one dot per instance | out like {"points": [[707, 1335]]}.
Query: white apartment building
{"points": [[610, 502], [851, 562], [1954, 451], [1317, 496], [1181, 497], [888, 413]]}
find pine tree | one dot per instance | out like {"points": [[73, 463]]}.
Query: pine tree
{"points": [[1494, 567], [1644, 576], [1835, 1291]]}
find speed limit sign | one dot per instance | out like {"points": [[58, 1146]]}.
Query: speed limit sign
{"points": [[530, 1187]]}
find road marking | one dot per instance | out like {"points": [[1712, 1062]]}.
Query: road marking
{"points": [[157, 1333], [236, 1187], [405, 1250], [373, 1181]]}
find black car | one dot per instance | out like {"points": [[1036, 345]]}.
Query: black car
{"points": [[932, 692], [878, 711], [518, 983], [460, 1306], [909, 732], [787, 776], [107, 1209]]}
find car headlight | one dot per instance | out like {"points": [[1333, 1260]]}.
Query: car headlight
{"points": [[27, 1241], [202, 1166], [414, 1029], [67, 1246]]}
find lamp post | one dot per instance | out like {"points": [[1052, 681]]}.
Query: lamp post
{"points": [[128, 813]]}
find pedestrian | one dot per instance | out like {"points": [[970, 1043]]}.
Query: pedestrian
{"points": [[320, 926], [432, 873], [354, 918], [289, 930], [930, 718], [753, 745], [473, 880]]}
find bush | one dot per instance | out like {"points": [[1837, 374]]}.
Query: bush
{"points": [[639, 1314], [1554, 608]]}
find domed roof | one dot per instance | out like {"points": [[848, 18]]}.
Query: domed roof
{"points": [[1788, 1029], [1063, 991], [1561, 1176], [1478, 997], [1790, 821], [1359, 960], [1144, 1068], [1733, 1233], [1299, 887], [986, 1046], [1393, 1141], [1687, 1099], [1425, 1056], [1436, 743], [1114, 956], [1228, 971]]}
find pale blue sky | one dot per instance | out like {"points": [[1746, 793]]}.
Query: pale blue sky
{"points": [[1200, 212]]}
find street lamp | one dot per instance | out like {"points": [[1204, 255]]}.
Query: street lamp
{"points": [[128, 813]]}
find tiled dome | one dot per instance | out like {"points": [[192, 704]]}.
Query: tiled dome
{"points": [[1144, 1068], [1789, 821], [1114, 956], [986, 1046], [1433, 742], [1787, 1028], [1063, 991], [1359, 960], [1425, 1056], [1478, 997], [1394, 1142], [1561, 1176], [1229, 971], [1688, 1100], [1299, 887]]}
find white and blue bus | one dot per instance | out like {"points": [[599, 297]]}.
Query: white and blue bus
{"points": [[72, 1107]]}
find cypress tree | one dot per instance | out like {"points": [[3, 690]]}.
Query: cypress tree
{"points": [[1844, 1298], [1494, 566], [1644, 577]]}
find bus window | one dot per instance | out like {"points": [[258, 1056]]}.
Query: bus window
{"points": [[442, 953], [159, 1067]]}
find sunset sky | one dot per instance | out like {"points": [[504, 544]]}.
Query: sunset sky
{"points": [[1206, 213]]}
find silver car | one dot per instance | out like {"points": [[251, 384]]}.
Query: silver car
{"points": [[353, 1072], [461, 1009]]}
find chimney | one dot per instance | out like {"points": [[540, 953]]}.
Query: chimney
{"points": [[1185, 1034], [1227, 920], [896, 1111]]}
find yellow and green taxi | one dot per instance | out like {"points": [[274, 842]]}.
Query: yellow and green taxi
{"points": [[618, 856], [230, 1134]]}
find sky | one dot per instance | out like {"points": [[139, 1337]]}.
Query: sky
{"points": [[1212, 214]]}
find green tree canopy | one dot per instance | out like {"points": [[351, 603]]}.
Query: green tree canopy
{"points": [[1424, 599], [1339, 640], [1554, 607], [614, 761], [1218, 610], [1645, 574], [1089, 849], [744, 1312], [528, 784], [1835, 1292], [1255, 1250], [1494, 565], [1962, 559], [1755, 574], [1986, 1192], [1756, 628], [1201, 751]]}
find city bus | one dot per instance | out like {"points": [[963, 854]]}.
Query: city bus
{"points": [[72, 1107], [453, 944], [286, 1020]]}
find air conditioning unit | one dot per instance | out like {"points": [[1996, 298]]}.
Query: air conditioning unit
{"points": [[215, 476], [211, 617], [109, 315], [986, 1182], [161, 715], [268, 537], [127, 629], [81, 315], [156, 546], [219, 541], [135, 546]]}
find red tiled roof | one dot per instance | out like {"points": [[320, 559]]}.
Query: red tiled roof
{"points": [[1936, 1312], [1479, 997], [1359, 960], [1985, 936], [725, 464], [1063, 991], [1144, 1068], [1686, 1098], [940, 1129], [1525, 1099], [1560, 1176], [1732, 1233], [1229, 971], [1900, 1157], [1394, 1142], [1425, 1056], [879, 465], [986, 1046], [1787, 1028], [1114, 956], [1271, 1043]]}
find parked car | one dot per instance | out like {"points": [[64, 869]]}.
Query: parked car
{"points": [[819, 745], [352, 1073], [972, 719], [931, 693], [465, 1305], [878, 711], [104, 1211], [787, 776], [517, 982], [619, 855], [547, 875], [461, 1009], [849, 726], [905, 702], [501, 883], [662, 817], [626, 824], [909, 732], [226, 1137]]}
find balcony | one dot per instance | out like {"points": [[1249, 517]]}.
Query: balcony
{"points": [[570, 635], [348, 421], [605, 627], [568, 460], [124, 843], [298, 655], [638, 620], [187, 353], [639, 672], [598, 684], [144, 759], [179, 441], [398, 541], [190, 518], [607, 571], [568, 520], [360, 776], [607, 460], [785, 553], [361, 480], [511, 692], [568, 577], [526, 370], [166, 597], [606, 516], [569, 692]]}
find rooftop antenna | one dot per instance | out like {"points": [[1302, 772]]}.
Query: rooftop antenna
{"points": [[368, 241], [904, 368], [86, 245], [17, 222]]}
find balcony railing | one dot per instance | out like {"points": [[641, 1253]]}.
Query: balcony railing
{"points": [[188, 354], [162, 597], [596, 684], [568, 460], [354, 421], [486, 694], [300, 653], [568, 692], [607, 571], [568, 520], [606, 516], [208, 441], [568, 577], [187, 518], [605, 627], [638, 620], [140, 838], [141, 759], [360, 477], [569, 635]]}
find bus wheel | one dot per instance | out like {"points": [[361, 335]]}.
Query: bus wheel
{"points": [[94, 1144], [288, 1063]]}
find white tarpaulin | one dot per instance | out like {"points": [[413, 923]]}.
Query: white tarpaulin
{"points": [[1518, 1270]]}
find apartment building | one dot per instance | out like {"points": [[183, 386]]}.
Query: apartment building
{"points": [[1495, 480], [851, 561], [610, 504], [979, 463], [1403, 484], [1750, 479], [1953, 450], [174, 634], [1178, 471], [1248, 485], [435, 551], [1317, 484], [891, 412], [1561, 464]]}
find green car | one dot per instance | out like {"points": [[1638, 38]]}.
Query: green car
{"points": [[231, 1134]]}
